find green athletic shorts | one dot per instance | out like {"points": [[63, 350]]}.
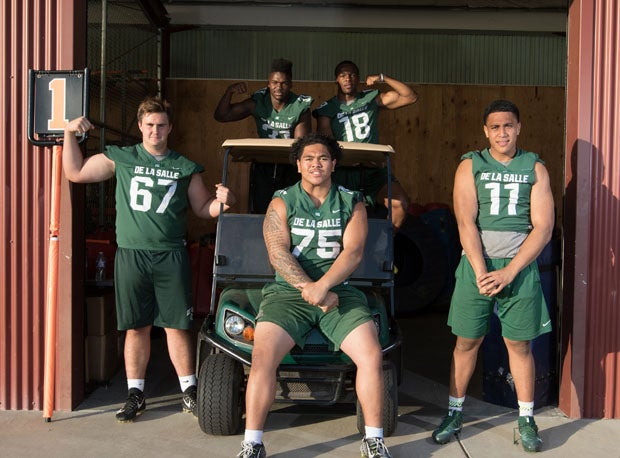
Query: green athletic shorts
{"points": [[522, 309], [283, 305], [153, 288]]}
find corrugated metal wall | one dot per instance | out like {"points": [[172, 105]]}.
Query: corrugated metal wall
{"points": [[36, 34], [591, 333], [603, 344], [450, 58]]}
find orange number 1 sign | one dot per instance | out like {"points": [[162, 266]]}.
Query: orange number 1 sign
{"points": [[54, 98], [58, 88]]}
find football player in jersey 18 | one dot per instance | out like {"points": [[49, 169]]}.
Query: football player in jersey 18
{"points": [[315, 233], [504, 209], [352, 116], [154, 188]]}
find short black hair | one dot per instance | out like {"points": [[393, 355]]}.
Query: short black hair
{"points": [[342, 64], [314, 138], [500, 106], [282, 66]]}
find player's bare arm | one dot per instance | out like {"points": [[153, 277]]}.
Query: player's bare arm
{"points": [[203, 203], [77, 168], [354, 238], [401, 94], [353, 242], [466, 211], [226, 111], [323, 126], [542, 216], [276, 232], [304, 127]]}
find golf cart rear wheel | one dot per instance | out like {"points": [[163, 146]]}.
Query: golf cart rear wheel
{"points": [[220, 395], [390, 402]]}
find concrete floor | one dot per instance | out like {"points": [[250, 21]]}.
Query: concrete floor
{"points": [[302, 432]]}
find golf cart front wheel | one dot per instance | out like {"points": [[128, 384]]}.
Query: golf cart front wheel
{"points": [[220, 399]]}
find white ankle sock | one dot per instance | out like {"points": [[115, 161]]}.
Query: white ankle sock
{"points": [[526, 409], [456, 403], [254, 436], [186, 381], [371, 431], [135, 383]]}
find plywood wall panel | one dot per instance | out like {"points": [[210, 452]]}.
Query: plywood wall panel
{"points": [[429, 137]]}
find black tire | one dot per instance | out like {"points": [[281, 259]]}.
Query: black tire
{"points": [[421, 267], [390, 402], [396, 356], [202, 351], [220, 401]]}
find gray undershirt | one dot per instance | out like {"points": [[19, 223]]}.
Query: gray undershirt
{"points": [[501, 244]]}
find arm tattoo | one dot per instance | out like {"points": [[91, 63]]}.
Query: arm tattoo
{"points": [[277, 240]]}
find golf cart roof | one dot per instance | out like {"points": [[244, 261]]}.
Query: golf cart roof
{"points": [[276, 150]]}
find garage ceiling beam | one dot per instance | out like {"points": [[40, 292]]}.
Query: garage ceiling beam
{"points": [[156, 12], [343, 18]]}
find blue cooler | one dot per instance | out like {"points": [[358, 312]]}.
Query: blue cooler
{"points": [[498, 385]]}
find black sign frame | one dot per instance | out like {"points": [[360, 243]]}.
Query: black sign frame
{"points": [[54, 98]]}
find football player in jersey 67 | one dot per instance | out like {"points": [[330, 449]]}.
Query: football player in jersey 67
{"points": [[155, 185]]}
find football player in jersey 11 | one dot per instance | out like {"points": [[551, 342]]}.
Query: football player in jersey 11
{"points": [[504, 209], [352, 116], [155, 185], [315, 234]]}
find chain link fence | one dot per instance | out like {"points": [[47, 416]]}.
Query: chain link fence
{"points": [[122, 56]]}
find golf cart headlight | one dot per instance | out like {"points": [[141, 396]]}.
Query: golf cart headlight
{"points": [[234, 325]]}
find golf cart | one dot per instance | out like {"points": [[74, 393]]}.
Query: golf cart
{"points": [[315, 374]]}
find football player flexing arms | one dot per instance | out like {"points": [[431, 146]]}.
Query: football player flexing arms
{"points": [[352, 116]]}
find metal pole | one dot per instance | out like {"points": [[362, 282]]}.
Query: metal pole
{"points": [[51, 308], [102, 118], [159, 60]]}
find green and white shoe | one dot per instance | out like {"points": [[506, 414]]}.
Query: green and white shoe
{"points": [[374, 447], [451, 425], [530, 440]]}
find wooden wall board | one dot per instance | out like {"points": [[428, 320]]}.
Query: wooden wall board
{"points": [[429, 137]]}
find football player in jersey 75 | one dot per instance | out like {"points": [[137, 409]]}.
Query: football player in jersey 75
{"points": [[315, 234]]}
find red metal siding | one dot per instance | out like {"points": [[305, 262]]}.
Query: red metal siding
{"points": [[35, 34], [591, 341]]}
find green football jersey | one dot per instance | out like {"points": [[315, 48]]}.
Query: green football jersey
{"points": [[503, 190], [151, 197], [354, 122], [278, 124], [316, 233]]}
